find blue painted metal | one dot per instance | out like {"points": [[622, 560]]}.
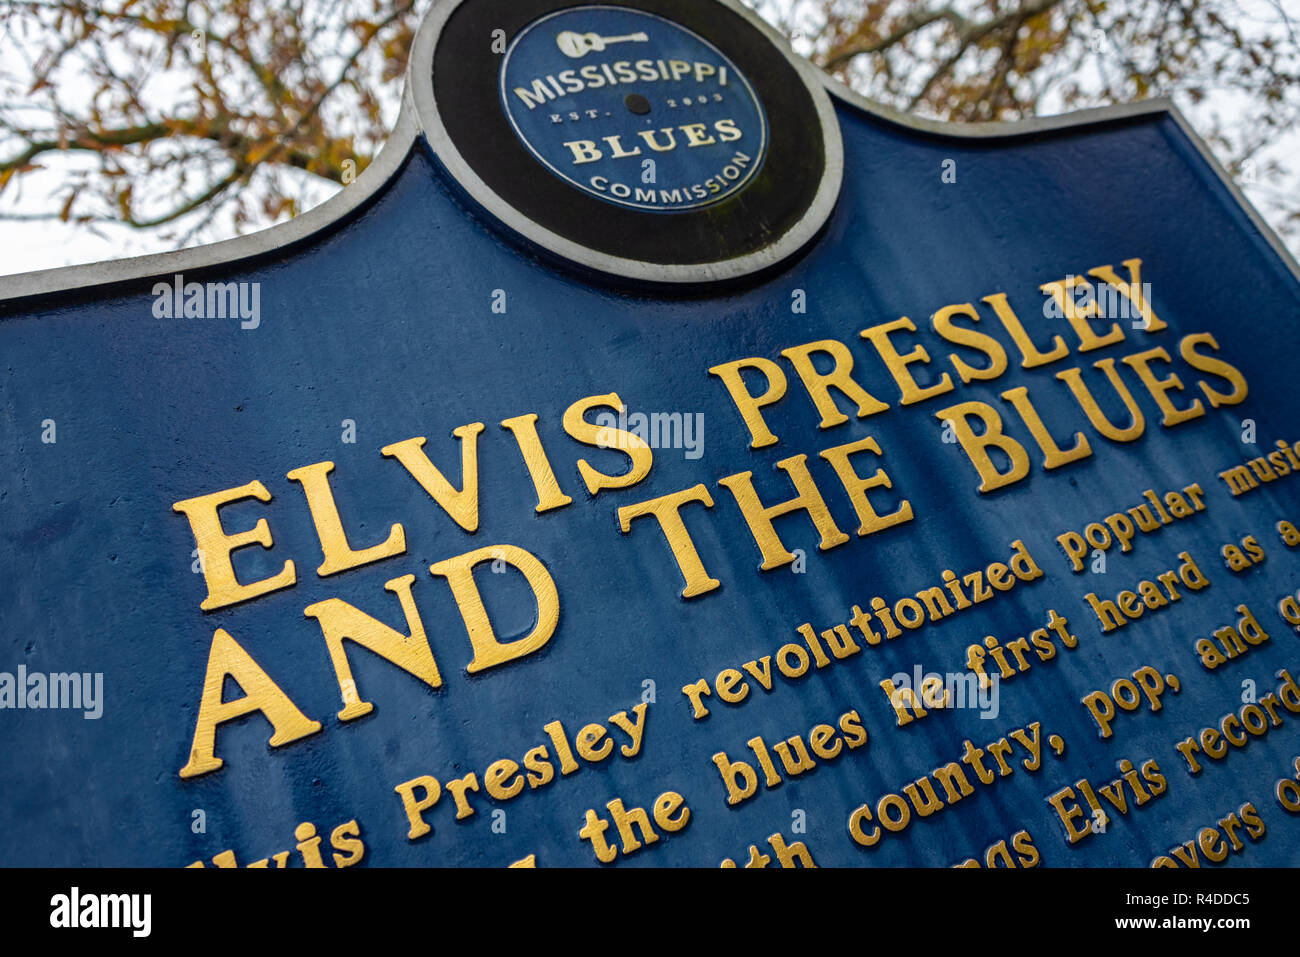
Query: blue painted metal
{"points": [[385, 319]]}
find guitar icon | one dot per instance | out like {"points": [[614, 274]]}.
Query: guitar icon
{"points": [[578, 45]]}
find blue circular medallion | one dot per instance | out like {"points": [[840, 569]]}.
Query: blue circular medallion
{"points": [[633, 108]]}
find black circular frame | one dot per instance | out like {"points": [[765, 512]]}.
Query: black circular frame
{"points": [[466, 85]]}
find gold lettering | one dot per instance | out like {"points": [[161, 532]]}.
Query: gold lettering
{"points": [[749, 405], [667, 511], [840, 377], [215, 546], [759, 518], [339, 555], [633, 446], [488, 651], [462, 504], [227, 659], [342, 622]]}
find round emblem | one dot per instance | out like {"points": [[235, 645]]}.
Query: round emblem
{"points": [[633, 109], [671, 141]]}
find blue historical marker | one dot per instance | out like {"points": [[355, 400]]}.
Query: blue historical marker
{"points": [[661, 456]]}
